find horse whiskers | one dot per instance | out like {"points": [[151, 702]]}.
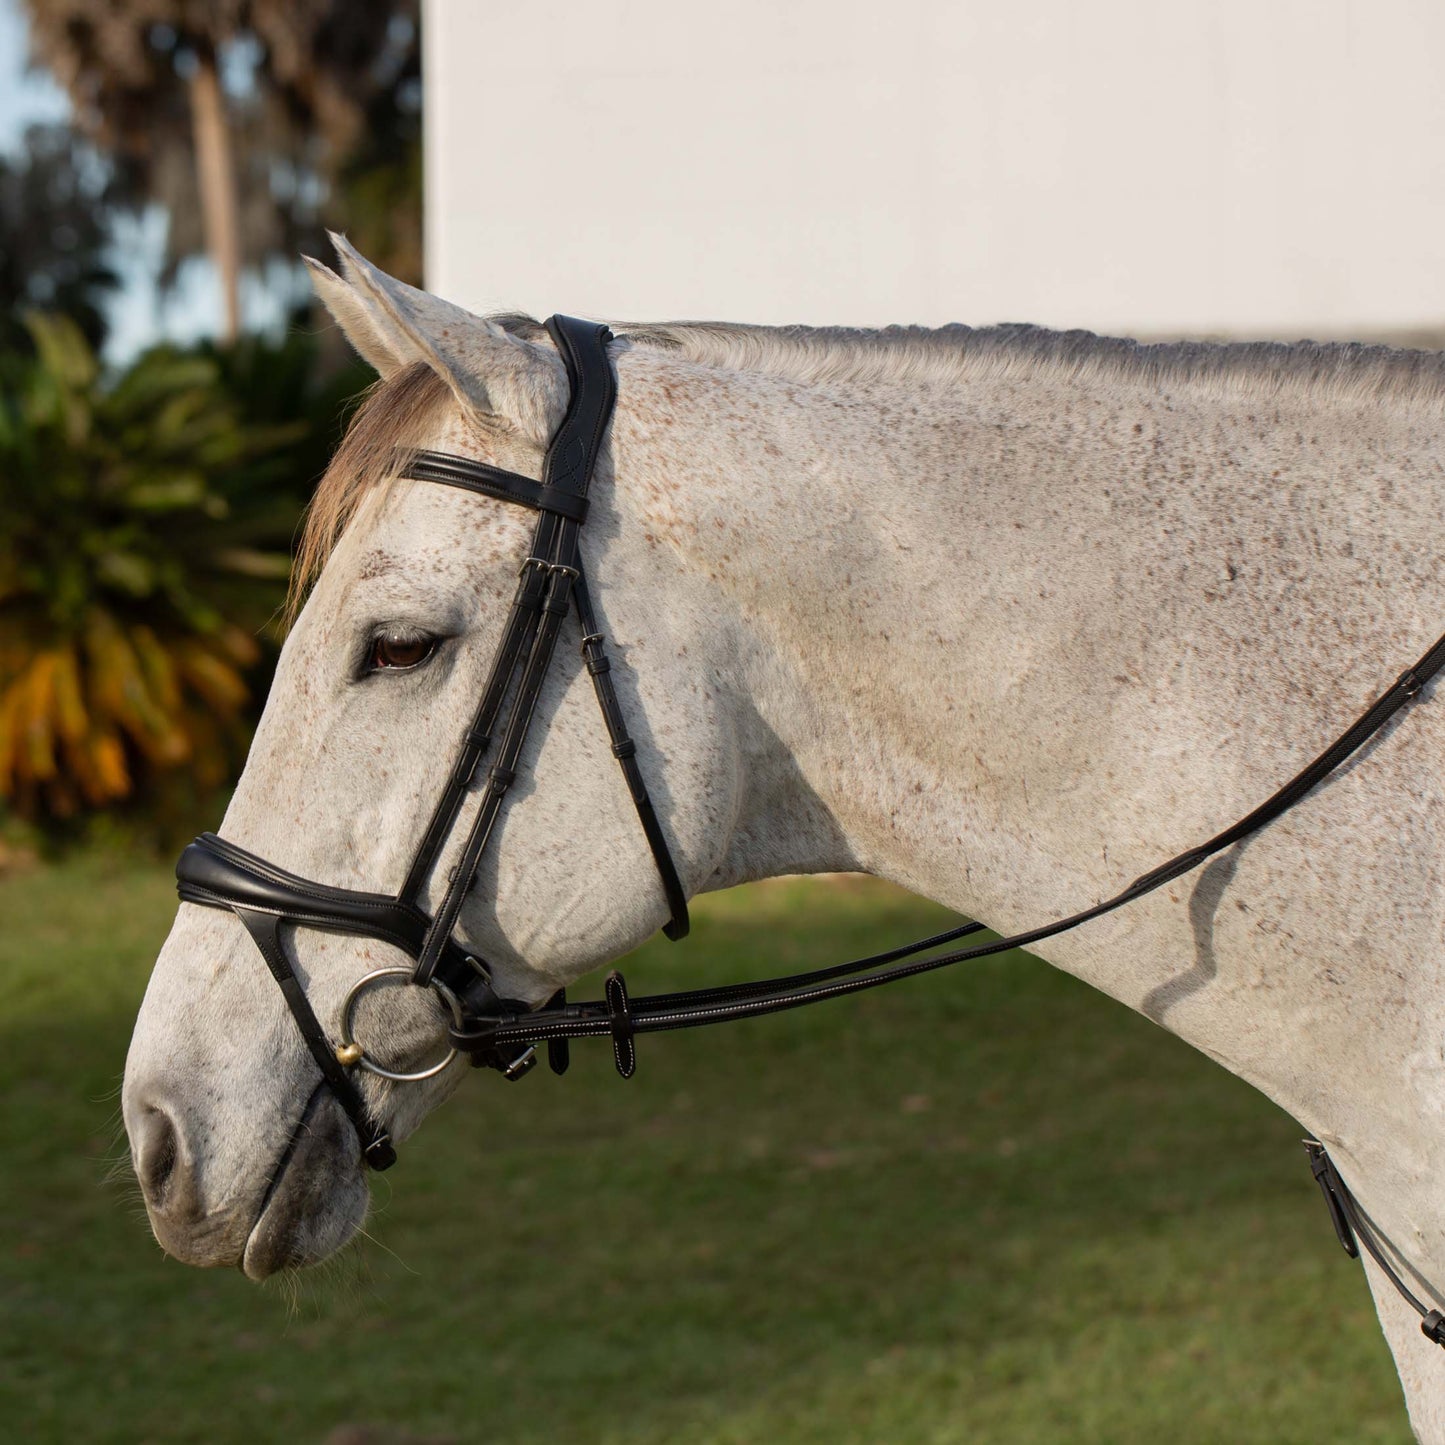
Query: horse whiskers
{"points": [[288, 1282], [118, 1175], [364, 1233], [346, 1272], [300, 1283]]}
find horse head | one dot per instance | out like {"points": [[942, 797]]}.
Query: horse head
{"points": [[244, 1155]]}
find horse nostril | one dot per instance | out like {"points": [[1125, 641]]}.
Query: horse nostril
{"points": [[157, 1152]]}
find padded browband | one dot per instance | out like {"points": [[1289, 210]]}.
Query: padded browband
{"points": [[218, 874], [491, 481]]}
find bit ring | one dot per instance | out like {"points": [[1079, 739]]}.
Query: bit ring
{"points": [[350, 1053]]}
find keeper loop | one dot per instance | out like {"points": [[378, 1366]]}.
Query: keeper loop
{"points": [[559, 593], [619, 1011], [563, 503]]}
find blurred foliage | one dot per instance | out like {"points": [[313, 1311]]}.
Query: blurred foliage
{"points": [[149, 514], [144, 550], [54, 197], [323, 114], [377, 194]]}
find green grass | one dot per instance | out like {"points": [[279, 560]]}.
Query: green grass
{"points": [[987, 1206]]}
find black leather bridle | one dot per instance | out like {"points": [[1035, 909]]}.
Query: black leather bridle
{"points": [[218, 874], [504, 1034]]}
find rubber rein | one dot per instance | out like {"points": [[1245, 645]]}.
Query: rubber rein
{"points": [[505, 1034]]}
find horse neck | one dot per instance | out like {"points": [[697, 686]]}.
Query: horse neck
{"points": [[1025, 638], [1017, 639], [951, 603]]}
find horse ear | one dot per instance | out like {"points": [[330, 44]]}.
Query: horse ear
{"points": [[384, 354], [492, 373]]}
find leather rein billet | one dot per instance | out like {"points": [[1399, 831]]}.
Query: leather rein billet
{"points": [[504, 1034]]}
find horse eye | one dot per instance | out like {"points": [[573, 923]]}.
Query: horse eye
{"points": [[400, 652]]}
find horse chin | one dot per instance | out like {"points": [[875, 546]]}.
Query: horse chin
{"points": [[318, 1198]]}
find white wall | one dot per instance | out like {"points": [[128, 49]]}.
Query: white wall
{"points": [[1263, 166]]}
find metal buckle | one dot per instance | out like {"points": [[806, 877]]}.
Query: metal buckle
{"points": [[350, 1053], [522, 1064]]}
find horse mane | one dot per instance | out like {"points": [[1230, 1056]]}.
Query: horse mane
{"points": [[957, 353], [396, 410]]}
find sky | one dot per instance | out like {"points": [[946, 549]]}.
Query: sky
{"points": [[139, 315], [24, 98]]}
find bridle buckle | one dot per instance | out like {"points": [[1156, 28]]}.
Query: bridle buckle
{"points": [[522, 1065]]}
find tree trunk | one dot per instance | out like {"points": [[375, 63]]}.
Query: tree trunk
{"points": [[215, 174]]}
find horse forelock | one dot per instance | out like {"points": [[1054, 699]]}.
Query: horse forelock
{"points": [[393, 413]]}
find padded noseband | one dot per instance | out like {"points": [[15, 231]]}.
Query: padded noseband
{"points": [[218, 874]]}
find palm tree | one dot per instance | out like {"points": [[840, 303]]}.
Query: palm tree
{"points": [[54, 233], [137, 568], [236, 115]]}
